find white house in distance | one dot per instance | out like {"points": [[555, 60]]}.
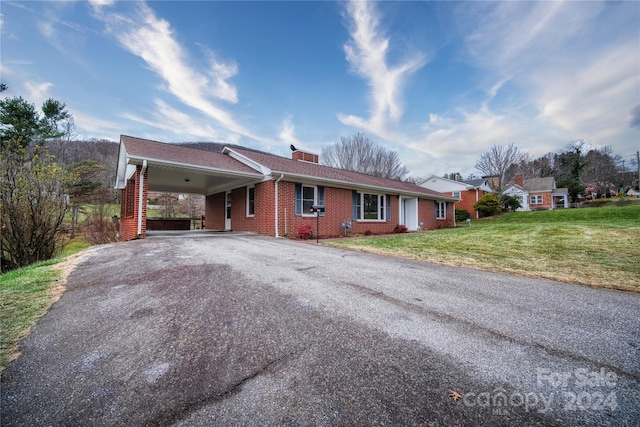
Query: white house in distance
{"points": [[467, 192], [538, 193]]}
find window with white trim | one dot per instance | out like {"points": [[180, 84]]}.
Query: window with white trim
{"points": [[441, 210], [251, 201], [536, 200], [308, 196], [456, 194], [370, 207]]}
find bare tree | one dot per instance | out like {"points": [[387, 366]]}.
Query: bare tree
{"points": [[497, 162], [32, 207], [359, 154]]}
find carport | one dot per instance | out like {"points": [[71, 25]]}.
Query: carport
{"points": [[145, 166]]}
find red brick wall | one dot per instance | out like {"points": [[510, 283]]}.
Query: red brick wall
{"points": [[427, 214], [214, 211], [129, 225], [263, 220], [338, 204], [468, 199], [546, 201]]}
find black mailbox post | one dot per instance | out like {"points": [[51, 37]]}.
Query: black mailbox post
{"points": [[317, 209]]}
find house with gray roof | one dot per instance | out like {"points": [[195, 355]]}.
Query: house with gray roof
{"points": [[250, 190], [538, 193]]}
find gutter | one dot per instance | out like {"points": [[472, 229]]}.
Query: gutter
{"points": [[276, 204], [141, 193]]}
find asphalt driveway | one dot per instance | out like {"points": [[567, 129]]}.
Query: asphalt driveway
{"points": [[222, 329]]}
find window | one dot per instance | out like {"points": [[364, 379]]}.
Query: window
{"points": [[441, 210], [370, 207], [307, 196], [251, 204], [456, 194], [536, 200]]}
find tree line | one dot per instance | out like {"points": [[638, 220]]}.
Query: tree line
{"points": [[583, 170], [44, 175]]}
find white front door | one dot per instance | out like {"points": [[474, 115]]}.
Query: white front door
{"points": [[227, 210], [409, 213]]}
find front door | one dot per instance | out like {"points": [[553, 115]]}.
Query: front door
{"points": [[227, 210]]}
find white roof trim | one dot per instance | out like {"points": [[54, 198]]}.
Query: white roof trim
{"points": [[191, 166], [247, 161]]}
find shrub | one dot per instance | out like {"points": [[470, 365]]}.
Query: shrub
{"points": [[510, 203], [400, 229], [305, 232], [488, 205], [462, 215], [367, 232]]}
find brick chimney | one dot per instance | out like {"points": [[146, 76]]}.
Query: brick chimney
{"points": [[304, 156], [518, 180]]}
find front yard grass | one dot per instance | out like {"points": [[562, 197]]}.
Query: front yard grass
{"points": [[591, 246], [25, 295]]}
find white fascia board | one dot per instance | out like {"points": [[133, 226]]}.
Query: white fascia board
{"points": [[121, 170], [375, 189], [247, 161], [190, 166]]}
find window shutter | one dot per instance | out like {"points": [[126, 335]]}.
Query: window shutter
{"points": [[298, 208], [435, 209], [320, 198], [354, 204], [388, 208]]}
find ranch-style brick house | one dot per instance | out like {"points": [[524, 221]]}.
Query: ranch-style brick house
{"points": [[249, 190]]}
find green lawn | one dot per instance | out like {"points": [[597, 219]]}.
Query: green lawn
{"points": [[25, 295], [592, 246]]}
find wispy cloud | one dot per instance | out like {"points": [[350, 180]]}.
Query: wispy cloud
{"points": [[561, 74], [366, 53], [151, 38], [288, 132], [37, 92], [175, 122]]}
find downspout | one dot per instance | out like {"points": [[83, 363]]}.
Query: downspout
{"points": [[276, 204], [141, 193]]}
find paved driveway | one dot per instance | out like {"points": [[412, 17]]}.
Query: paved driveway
{"points": [[247, 330]]}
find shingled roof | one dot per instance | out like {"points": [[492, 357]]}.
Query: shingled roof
{"points": [[314, 171], [175, 153], [138, 149]]}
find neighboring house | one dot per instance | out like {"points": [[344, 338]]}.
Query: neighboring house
{"points": [[538, 193], [633, 193], [467, 192], [249, 190]]}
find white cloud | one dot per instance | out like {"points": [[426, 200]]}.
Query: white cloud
{"points": [[287, 134], [37, 92], [562, 73], [151, 38], [176, 122], [366, 53]]}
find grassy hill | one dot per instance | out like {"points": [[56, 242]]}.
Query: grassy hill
{"points": [[591, 246]]}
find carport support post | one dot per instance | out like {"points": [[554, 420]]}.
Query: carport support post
{"points": [[317, 226]]}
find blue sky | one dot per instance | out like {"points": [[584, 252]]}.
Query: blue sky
{"points": [[438, 82]]}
